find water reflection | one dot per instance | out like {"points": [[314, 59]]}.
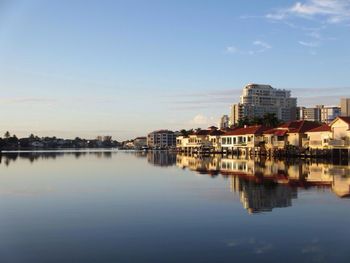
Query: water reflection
{"points": [[8, 157], [261, 184], [264, 184]]}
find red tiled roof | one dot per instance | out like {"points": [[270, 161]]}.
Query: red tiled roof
{"points": [[323, 128], [247, 130], [300, 126], [277, 131]]}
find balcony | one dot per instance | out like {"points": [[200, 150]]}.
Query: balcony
{"points": [[338, 143]]}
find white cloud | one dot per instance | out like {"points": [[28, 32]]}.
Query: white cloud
{"points": [[308, 44], [231, 49], [202, 121], [258, 46], [330, 11], [262, 44]]}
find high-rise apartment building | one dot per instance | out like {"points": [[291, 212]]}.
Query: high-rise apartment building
{"points": [[345, 106], [258, 100]]}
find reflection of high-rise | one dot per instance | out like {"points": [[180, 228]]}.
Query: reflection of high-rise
{"points": [[267, 184], [160, 158], [262, 197]]}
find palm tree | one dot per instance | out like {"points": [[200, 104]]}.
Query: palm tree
{"points": [[7, 135]]}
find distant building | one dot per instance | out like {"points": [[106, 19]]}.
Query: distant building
{"points": [[319, 113], [224, 122], [299, 113], [258, 100], [329, 113], [312, 114], [161, 139], [345, 107]]}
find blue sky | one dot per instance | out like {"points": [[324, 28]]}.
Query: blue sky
{"points": [[83, 68]]}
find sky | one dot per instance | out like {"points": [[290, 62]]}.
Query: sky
{"points": [[125, 68]]}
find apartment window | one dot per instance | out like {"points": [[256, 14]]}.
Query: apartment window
{"points": [[224, 140]]}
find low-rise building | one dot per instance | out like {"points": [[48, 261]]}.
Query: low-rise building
{"points": [[200, 140], [291, 134], [161, 139], [247, 138]]}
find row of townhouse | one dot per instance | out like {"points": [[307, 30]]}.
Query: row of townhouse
{"points": [[297, 136]]}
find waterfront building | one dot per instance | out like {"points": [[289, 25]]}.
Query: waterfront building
{"points": [[224, 122], [244, 139], [200, 140], [318, 138], [291, 134], [345, 106], [341, 132], [336, 135], [161, 139], [257, 100]]}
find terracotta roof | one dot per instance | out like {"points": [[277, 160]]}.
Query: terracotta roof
{"points": [[323, 128], [247, 130], [300, 126]]}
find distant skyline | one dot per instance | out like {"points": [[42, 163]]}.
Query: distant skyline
{"points": [[125, 68]]}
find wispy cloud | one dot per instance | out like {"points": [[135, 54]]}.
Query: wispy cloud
{"points": [[257, 46], [329, 11], [308, 44]]}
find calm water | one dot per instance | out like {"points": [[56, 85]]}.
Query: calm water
{"points": [[156, 207]]}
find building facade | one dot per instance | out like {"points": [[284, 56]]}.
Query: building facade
{"points": [[345, 106], [224, 122], [258, 100], [161, 139], [329, 113]]}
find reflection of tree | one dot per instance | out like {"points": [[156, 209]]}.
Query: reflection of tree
{"points": [[32, 157]]}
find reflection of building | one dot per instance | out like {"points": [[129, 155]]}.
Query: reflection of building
{"points": [[161, 139], [267, 184], [258, 100], [262, 197], [160, 158]]}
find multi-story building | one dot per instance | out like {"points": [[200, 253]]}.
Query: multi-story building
{"points": [[329, 113], [258, 100], [311, 114], [345, 106], [161, 139], [319, 113], [224, 122]]}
